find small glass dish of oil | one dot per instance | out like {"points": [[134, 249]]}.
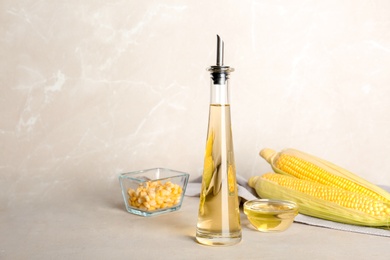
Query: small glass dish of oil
{"points": [[268, 215]]}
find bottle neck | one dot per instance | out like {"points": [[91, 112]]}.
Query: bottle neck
{"points": [[220, 92]]}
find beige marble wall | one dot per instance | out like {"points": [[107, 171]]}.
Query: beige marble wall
{"points": [[90, 89]]}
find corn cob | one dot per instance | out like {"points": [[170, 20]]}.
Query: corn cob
{"points": [[208, 171], [323, 201], [304, 166]]}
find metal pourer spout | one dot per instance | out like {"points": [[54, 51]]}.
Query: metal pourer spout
{"points": [[219, 51], [219, 72]]}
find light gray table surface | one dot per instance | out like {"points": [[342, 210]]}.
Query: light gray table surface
{"points": [[78, 225]]}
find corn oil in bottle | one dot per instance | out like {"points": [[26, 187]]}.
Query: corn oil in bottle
{"points": [[219, 216]]}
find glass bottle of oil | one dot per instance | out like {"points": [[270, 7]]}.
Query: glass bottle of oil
{"points": [[219, 215]]}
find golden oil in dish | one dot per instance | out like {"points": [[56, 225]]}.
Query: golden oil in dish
{"points": [[270, 215]]}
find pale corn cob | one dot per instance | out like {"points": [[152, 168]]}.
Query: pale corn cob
{"points": [[323, 189], [322, 201], [304, 166]]}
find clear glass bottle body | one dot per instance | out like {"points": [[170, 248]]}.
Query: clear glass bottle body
{"points": [[219, 215]]}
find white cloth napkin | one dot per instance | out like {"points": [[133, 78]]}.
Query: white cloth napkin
{"points": [[248, 193]]}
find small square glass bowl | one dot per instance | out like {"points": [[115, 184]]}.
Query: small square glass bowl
{"points": [[153, 191]]}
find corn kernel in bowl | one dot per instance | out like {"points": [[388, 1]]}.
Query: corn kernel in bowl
{"points": [[153, 191], [154, 195]]}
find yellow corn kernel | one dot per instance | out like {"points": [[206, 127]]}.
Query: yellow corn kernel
{"points": [[336, 195], [231, 178], [153, 195]]}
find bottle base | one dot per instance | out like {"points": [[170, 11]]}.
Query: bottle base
{"points": [[214, 239]]}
